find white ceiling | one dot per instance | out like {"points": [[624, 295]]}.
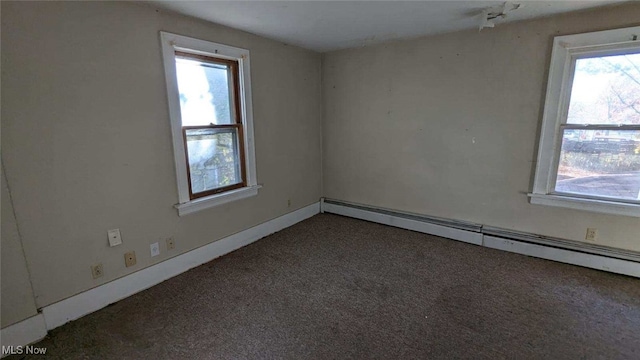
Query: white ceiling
{"points": [[330, 25]]}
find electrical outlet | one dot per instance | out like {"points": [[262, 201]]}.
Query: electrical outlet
{"points": [[592, 234], [130, 258], [155, 249], [171, 244], [97, 271], [289, 203]]}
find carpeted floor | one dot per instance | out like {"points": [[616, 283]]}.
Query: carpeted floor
{"points": [[333, 287]]}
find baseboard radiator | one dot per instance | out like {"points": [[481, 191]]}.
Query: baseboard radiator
{"points": [[595, 256]]}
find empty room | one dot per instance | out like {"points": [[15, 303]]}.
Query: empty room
{"points": [[320, 179]]}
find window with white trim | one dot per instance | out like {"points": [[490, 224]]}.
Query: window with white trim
{"points": [[589, 151], [209, 96]]}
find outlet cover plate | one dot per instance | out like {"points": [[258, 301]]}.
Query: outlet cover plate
{"points": [[130, 258], [155, 249], [97, 271], [171, 244]]}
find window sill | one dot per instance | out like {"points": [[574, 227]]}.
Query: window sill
{"points": [[593, 205], [215, 200]]}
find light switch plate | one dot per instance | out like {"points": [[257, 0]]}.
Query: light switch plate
{"points": [[114, 237]]}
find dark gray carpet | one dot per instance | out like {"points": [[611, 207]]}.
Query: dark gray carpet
{"points": [[333, 288]]}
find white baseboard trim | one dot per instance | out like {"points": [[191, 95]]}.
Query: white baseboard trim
{"points": [[97, 298], [592, 261], [555, 249], [23, 333], [404, 223]]}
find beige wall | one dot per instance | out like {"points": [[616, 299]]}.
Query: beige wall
{"points": [[86, 139], [448, 126], [16, 298]]}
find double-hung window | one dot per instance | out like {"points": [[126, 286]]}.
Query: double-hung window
{"points": [[208, 87], [589, 152]]}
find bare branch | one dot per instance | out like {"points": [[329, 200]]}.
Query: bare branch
{"points": [[631, 106], [621, 69], [632, 63]]}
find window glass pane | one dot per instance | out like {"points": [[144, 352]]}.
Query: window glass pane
{"points": [[602, 163], [204, 93], [606, 90], [214, 158]]}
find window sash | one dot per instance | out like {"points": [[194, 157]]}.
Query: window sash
{"points": [[558, 152], [241, 157], [234, 79], [589, 53]]}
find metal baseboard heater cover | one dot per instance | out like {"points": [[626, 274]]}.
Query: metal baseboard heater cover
{"points": [[548, 241], [456, 224]]}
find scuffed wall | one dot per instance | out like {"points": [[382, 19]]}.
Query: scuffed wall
{"points": [[448, 126], [86, 138]]}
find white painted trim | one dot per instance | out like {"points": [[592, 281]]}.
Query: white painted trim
{"points": [[409, 224], [24, 333], [172, 42], [598, 262], [563, 56], [600, 206], [215, 200], [89, 301]]}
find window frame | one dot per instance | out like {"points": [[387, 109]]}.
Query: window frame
{"points": [[243, 183], [566, 49], [172, 43]]}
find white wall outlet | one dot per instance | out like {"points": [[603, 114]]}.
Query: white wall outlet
{"points": [[155, 249], [592, 234], [171, 244], [114, 237]]}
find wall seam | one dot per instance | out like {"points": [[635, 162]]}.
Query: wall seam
{"points": [[322, 121]]}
